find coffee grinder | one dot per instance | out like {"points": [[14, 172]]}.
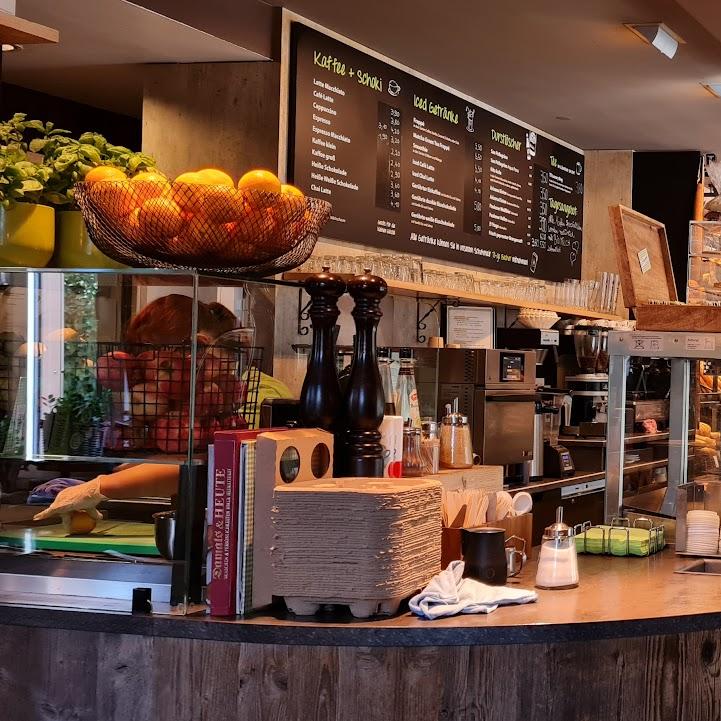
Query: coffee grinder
{"points": [[589, 388]]}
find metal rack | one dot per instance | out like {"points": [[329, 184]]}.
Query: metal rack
{"points": [[619, 527]]}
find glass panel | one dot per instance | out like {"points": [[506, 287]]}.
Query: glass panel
{"points": [[124, 375]]}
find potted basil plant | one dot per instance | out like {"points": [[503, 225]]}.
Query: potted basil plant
{"points": [[68, 161], [27, 225]]}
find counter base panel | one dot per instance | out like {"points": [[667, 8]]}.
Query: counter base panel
{"points": [[86, 676]]}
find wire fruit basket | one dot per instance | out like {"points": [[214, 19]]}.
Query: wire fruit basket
{"points": [[209, 228], [142, 399]]}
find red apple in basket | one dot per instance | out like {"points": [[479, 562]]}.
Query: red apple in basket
{"points": [[216, 362], [146, 401], [233, 423], [233, 391], [171, 433], [208, 399], [170, 370], [117, 370]]}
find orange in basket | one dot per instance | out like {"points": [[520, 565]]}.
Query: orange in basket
{"points": [[115, 198], [161, 217], [148, 185]]}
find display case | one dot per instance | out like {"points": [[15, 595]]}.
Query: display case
{"points": [[108, 369], [694, 422], [704, 263]]}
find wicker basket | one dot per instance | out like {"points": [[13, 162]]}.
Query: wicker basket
{"points": [[207, 228]]}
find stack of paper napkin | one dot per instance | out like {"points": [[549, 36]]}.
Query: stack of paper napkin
{"points": [[355, 539]]}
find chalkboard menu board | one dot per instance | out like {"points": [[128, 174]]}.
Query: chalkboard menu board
{"points": [[410, 167]]}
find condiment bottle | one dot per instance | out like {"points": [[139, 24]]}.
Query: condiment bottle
{"points": [[456, 448], [406, 396], [557, 561], [430, 446], [384, 366], [412, 461]]}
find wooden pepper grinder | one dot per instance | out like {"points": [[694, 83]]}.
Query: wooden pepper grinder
{"points": [[320, 398], [361, 452]]}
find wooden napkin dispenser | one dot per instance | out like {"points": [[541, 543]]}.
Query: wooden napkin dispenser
{"points": [[304, 454], [521, 526]]}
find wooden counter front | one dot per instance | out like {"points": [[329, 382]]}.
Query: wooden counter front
{"points": [[633, 641]]}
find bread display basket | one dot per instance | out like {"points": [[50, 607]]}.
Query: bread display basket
{"points": [[208, 228]]}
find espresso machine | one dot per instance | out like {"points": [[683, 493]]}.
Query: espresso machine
{"points": [[543, 342], [589, 388], [496, 390]]}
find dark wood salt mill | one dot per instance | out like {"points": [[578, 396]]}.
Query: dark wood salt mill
{"points": [[320, 398], [360, 452]]}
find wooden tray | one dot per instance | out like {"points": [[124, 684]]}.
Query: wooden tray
{"points": [[643, 256]]}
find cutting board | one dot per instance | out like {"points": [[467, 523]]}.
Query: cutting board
{"points": [[126, 537]]}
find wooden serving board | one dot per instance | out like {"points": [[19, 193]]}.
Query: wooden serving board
{"points": [[692, 318]]}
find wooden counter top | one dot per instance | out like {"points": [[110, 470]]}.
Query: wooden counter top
{"points": [[617, 597]]}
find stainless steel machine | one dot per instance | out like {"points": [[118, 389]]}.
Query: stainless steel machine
{"points": [[496, 390]]}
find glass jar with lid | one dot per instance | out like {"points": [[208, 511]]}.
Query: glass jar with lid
{"points": [[557, 561], [456, 447]]}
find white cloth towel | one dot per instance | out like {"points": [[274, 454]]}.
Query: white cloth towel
{"points": [[449, 593]]}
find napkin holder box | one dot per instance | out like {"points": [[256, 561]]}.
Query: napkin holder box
{"points": [[282, 457], [521, 526], [302, 454]]}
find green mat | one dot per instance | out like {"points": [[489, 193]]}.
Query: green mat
{"points": [[126, 537], [619, 541]]}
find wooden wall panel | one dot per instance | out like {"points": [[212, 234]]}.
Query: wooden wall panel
{"points": [[609, 181], [55, 674], [212, 114]]}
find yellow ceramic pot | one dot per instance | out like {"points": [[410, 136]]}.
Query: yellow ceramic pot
{"points": [[27, 235], [73, 247]]}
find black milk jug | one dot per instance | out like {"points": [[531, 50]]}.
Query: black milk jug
{"points": [[484, 555]]}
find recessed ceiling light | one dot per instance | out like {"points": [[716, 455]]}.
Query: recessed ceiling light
{"points": [[665, 40], [713, 89], [8, 47]]}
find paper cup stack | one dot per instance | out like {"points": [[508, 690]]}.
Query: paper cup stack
{"points": [[702, 532], [364, 542]]}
